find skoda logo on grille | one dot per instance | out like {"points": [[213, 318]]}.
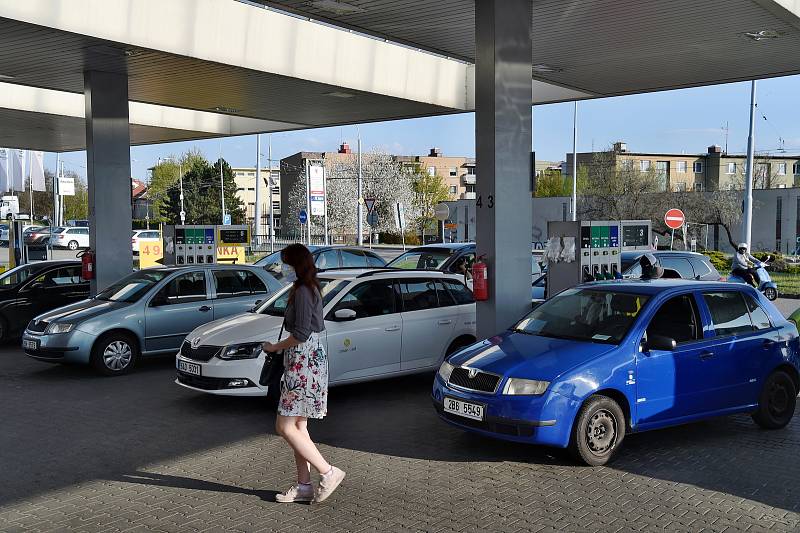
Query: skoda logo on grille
{"points": [[472, 373], [195, 343]]}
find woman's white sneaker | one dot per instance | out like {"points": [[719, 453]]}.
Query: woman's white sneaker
{"points": [[298, 493], [328, 483]]}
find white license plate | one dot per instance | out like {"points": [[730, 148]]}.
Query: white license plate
{"points": [[189, 368], [30, 345], [465, 409]]}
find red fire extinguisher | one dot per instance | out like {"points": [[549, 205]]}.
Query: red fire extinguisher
{"points": [[87, 264], [480, 281]]}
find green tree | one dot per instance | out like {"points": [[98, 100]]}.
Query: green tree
{"points": [[429, 190], [551, 183], [201, 194], [76, 207]]}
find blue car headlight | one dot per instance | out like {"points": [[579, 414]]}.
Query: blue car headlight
{"points": [[247, 350], [527, 387], [59, 327], [445, 370]]}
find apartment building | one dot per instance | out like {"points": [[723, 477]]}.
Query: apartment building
{"points": [[458, 173], [710, 171], [246, 183]]}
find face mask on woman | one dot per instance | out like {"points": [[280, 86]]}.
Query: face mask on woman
{"points": [[288, 272]]}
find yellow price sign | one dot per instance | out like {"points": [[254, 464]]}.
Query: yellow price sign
{"points": [[226, 254], [150, 252]]}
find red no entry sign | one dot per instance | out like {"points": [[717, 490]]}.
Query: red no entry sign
{"points": [[674, 218]]}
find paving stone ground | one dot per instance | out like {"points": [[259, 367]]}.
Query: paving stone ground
{"points": [[84, 453]]}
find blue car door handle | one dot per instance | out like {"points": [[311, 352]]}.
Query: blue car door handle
{"points": [[205, 308], [706, 355]]}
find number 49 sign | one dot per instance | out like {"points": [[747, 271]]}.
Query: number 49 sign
{"points": [[150, 251]]}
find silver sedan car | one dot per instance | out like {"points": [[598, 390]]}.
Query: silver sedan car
{"points": [[146, 313]]}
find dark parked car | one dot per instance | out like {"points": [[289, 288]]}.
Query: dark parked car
{"points": [[689, 265], [37, 235], [326, 258], [30, 290]]}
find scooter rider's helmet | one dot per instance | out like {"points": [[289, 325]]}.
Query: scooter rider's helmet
{"points": [[742, 248], [651, 268]]}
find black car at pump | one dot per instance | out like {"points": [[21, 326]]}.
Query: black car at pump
{"points": [[29, 290]]}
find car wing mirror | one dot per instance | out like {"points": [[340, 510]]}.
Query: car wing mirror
{"points": [[158, 300], [660, 342], [344, 314]]}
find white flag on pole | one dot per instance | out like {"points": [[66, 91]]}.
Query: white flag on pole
{"points": [[17, 170], [4, 169], [37, 171]]}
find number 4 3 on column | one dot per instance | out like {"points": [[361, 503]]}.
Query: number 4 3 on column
{"points": [[489, 201]]}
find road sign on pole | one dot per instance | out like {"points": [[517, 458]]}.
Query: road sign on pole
{"points": [[370, 204], [302, 216], [372, 218], [674, 219], [441, 211], [226, 219]]}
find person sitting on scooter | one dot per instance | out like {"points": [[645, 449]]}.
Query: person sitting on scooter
{"points": [[741, 265]]}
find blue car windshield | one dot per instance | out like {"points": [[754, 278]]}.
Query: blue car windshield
{"points": [[133, 286], [587, 315]]}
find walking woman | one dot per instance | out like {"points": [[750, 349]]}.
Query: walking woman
{"points": [[304, 385]]}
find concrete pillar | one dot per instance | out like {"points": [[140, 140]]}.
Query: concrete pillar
{"points": [[503, 122], [108, 170]]}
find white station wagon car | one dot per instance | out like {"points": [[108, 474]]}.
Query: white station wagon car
{"points": [[378, 323]]}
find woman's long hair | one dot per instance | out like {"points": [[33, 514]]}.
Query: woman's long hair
{"points": [[298, 257]]}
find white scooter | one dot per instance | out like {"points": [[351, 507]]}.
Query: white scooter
{"points": [[765, 283]]}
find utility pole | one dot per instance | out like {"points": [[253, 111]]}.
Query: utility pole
{"points": [[221, 184], [269, 186], [180, 179], [748, 195], [574, 163], [359, 227], [308, 202], [257, 207]]}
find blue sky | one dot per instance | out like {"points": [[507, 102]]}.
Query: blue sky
{"points": [[687, 120]]}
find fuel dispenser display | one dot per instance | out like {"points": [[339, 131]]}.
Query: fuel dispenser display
{"points": [[600, 256], [198, 244]]}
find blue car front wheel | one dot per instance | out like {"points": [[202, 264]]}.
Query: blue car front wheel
{"points": [[598, 431]]}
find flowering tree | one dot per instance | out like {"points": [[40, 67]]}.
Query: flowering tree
{"points": [[383, 178]]}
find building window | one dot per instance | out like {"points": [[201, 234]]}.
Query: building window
{"points": [[431, 171], [680, 167], [644, 166], [796, 169], [276, 206], [762, 170], [453, 172], [627, 164], [697, 166], [781, 169], [731, 168], [453, 189], [698, 187], [680, 187], [778, 213]]}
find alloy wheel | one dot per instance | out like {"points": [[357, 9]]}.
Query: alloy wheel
{"points": [[117, 355], [601, 432], [778, 399]]}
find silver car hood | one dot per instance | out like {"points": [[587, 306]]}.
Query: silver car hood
{"points": [[247, 327]]}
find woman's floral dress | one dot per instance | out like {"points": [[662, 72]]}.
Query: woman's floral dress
{"points": [[304, 385]]}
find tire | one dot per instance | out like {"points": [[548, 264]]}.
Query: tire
{"points": [[777, 401], [115, 354], [771, 293], [598, 431], [73, 245]]}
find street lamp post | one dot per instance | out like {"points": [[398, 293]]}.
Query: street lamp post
{"points": [[180, 179]]}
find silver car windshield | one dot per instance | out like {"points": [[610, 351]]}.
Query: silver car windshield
{"points": [[277, 305], [585, 315], [422, 259], [133, 286]]}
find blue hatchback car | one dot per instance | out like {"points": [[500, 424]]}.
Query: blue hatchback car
{"points": [[604, 359]]}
